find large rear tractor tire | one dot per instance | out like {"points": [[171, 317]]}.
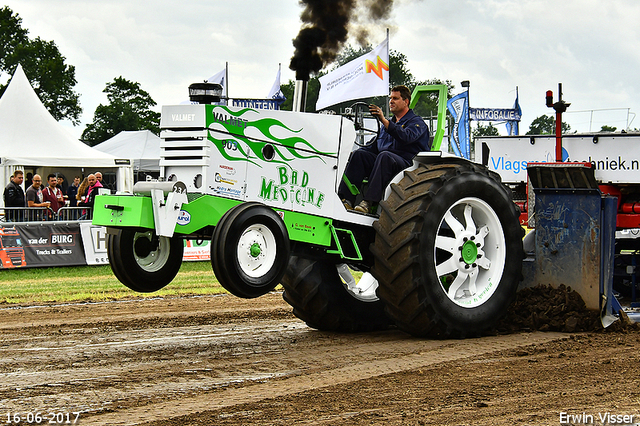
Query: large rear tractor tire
{"points": [[320, 298], [143, 261], [448, 250], [250, 250]]}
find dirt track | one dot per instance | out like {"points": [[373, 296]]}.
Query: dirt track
{"points": [[223, 360]]}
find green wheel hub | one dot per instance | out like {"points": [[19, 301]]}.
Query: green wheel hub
{"points": [[255, 250], [469, 252]]}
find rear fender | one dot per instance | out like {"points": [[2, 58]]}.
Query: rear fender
{"points": [[427, 157]]}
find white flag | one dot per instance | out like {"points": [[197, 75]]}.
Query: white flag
{"points": [[275, 92], [220, 79], [364, 77]]}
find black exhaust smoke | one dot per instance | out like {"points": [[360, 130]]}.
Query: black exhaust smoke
{"points": [[325, 27]]}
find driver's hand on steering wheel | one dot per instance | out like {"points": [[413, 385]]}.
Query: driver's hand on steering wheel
{"points": [[376, 111]]}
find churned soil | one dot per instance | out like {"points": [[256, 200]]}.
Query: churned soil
{"points": [[227, 361]]}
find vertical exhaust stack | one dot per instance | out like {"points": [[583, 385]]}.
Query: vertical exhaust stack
{"points": [[300, 95]]}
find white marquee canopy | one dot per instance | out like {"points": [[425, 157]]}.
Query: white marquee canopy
{"points": [[140, 145], [31, 137]]}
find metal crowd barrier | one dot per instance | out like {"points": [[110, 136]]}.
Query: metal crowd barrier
{"points": [[39, 214], [75, 213]]}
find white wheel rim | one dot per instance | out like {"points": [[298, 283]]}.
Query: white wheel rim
{"points": [[256, 251], [470, 252], [157, 258], [364, 289]]}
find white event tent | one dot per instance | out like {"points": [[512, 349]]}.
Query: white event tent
{"points": [[31, 139], [140, 145]]}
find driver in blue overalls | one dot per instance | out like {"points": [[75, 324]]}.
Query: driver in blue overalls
{"points": [[399, 140]]}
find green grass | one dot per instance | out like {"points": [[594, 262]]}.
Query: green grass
{"points": [[95, 283]]}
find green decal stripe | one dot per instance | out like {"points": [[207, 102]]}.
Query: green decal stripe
{"points": [[256, 147], [264, 125], [220, 144]]}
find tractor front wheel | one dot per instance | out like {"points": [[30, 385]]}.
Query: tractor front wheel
{"points": [[143, 261], [250, 250]]}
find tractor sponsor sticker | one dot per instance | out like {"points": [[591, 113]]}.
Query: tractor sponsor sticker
{"points": [[227, 191], [184, 218], [228, 170], [220, 179], [303, 227], [291, 186]]}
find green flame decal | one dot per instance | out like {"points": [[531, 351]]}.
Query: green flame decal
{"points": [[292, 146]]}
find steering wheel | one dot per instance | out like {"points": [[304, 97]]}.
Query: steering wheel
{"points": [[365, 134]]}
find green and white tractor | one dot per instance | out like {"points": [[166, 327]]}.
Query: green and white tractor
{"points": [[442, 259]]}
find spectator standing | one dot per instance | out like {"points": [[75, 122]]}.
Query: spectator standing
{"points": [[29, 180], [62, 184], [72, 191], [34, 196], [82, 191], [99, 179], [92, 191], [14, 197], [53, 194], [81, 196]]}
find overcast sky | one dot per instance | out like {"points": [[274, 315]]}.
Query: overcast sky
{"points": [[592, 47]]}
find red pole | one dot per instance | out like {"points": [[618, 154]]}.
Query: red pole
{"points": [[558, 136], [559, 107]]}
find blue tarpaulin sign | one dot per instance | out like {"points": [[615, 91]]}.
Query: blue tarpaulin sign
{"points": [[459, 108]]}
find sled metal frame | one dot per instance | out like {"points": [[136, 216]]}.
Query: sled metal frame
{"points": [[575, 233]]}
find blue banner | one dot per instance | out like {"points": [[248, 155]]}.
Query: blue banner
{"points": [[513, 126], [258, 103], [459, 108], [494, 114]]}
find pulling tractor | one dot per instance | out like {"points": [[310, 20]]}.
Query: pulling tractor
{"points": [[442, 259]]}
